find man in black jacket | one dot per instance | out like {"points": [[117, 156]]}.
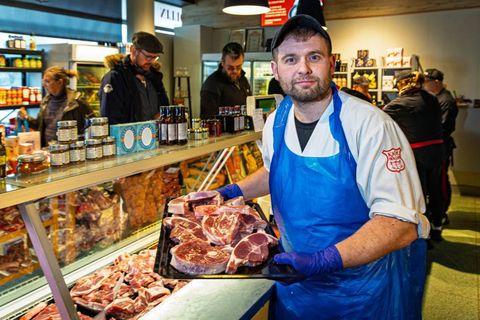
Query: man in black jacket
{"points": [[434, 85], [418, 114], [133, 89], [227, 86]]}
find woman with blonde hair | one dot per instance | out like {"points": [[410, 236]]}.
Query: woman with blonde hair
{"points": [[60, 103]]}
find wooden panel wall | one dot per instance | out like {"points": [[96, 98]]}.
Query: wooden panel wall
{"points": [[209, 12]]}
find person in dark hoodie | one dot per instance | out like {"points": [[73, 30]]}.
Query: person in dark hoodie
{"points": [[133, 89], [419, 115], [227, 86]]}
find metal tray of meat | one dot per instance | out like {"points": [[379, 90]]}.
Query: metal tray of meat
{"points": [[266, 270]]}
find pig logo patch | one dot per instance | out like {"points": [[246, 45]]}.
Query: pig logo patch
{"points": [[394, 159]]}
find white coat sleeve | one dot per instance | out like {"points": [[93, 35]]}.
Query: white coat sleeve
{"points": [[387, 175]]}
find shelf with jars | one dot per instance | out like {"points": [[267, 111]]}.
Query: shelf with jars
{"points": [[100, 210]]}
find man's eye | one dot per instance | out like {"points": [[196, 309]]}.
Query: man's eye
{"points": [[315, 57], [289, 60]]}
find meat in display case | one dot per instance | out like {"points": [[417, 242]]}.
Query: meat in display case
{"points": [[89, 222]]}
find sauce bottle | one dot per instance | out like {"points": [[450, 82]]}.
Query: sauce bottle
{"points": [[171, 126], [162, 126], [3, 159], [181, 125]]}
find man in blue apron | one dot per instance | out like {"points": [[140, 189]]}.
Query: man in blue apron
{"points": [[345, 192]]}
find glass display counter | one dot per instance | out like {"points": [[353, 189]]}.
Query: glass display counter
{"points": [[64, 224]]}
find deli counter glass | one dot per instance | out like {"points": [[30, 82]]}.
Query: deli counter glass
{"points": [[95, 213]]}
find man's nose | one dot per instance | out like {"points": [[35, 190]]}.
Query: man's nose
{"points": [[304, 66]]}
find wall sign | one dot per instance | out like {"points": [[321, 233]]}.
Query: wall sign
{"points": [[278, 14], [167, 16]]}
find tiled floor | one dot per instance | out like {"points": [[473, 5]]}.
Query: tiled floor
{"points": [[453, 281]]}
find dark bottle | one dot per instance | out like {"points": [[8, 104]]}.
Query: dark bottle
{"points": [[221, 116], [181, 125], [3, 159], [171, 126], [229, 120], [162, 127]]}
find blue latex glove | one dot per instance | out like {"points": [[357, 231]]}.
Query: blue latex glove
{"points": [[309, 264], [231, 191]]}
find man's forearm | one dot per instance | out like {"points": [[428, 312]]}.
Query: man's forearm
{"points": [[255, 185], [378, 237]]}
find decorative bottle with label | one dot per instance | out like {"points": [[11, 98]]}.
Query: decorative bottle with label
{"points": [[181, 125], [171, 126], [162, 126]]}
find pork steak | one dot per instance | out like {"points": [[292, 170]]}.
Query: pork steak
{"points": [[251, 251], [198, 257]]}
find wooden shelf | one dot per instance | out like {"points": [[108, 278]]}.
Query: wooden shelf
{"points": [[17, 106], [14, 69], [22, 52]]}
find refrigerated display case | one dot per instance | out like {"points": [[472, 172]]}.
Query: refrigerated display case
{"points": [[80, 218], [87, 60], [256, 66]]}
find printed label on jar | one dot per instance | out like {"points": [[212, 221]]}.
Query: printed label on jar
{"points": [[56, 159], [105, 130], [108, 150], [96, 132], [66, 157], [73, 134], [74, 155], [94, 153], [63, 135]]}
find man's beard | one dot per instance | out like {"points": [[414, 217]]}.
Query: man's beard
{"points": [[315, 93]]}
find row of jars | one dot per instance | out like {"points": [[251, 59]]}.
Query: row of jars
{"points": [[79, 151], [20, 95], [19, 62]]}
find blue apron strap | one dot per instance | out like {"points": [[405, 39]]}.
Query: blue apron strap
{"points": [[281, 117], [337, 131]]}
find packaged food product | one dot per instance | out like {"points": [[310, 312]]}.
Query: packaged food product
{"points": [[31, 163]]}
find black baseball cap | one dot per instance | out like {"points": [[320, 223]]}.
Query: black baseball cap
{"points": [[297, 22], [405, 74], [434, 74], [147, 41]]}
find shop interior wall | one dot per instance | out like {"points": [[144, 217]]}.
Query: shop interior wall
{"points": [[447, 40], [166, 60]]}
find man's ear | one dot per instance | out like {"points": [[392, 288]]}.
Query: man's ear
{"points": [[332, 65], [274, 66]]}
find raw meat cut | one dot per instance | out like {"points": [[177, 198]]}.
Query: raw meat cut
{"points": [[194, 199], [251, 251], [250, 218], [222, 229], [34, 311], [183, 229], [205, 210], [91, 283], [177, 205], [121, 308], [237, 201], [198, 257]]}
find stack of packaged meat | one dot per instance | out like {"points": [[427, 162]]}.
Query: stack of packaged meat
{"points": [[214, 237], [126, 290], [143, 197], [171, 183]]}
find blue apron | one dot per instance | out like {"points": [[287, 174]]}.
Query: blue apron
{"points": [[316, 203]]}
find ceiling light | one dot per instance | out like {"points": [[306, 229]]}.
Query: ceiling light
{"points": [[246, 7]]}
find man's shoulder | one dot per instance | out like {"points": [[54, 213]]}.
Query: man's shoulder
{"points": [[213, 81]]}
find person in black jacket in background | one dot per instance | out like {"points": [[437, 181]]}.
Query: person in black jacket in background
{"points": [[227, 86], [434, 85], [133, 89], [418, 114]]}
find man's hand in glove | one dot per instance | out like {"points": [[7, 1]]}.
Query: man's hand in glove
{"points": [[230, 191], [309, 264]]}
